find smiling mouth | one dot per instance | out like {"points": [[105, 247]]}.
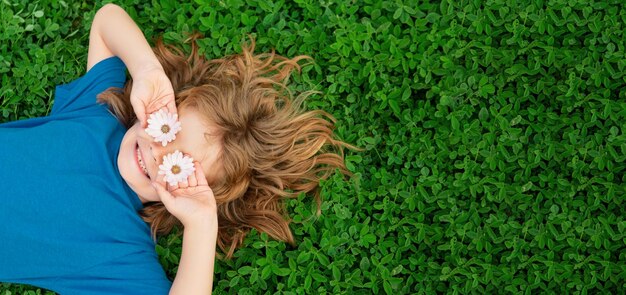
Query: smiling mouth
{"points": [[142, 165]]}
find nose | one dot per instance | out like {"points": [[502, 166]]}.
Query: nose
{"points": [[157, 150]]}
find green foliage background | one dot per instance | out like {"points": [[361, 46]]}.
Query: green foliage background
{"points": [[494, 136]]}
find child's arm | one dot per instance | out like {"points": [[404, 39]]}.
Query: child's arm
{"points": [[195, 207], [195, 270], [113, 32]]}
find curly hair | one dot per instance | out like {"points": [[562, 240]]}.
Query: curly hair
{"points": [[272, 148]]}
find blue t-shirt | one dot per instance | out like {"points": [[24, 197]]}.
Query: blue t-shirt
{"points": [[68, 220]]}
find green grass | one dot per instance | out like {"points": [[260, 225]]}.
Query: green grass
{"points": [[494, 135]]}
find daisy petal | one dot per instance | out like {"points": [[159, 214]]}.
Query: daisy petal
{"points": [[184, 163], [157, 121]]}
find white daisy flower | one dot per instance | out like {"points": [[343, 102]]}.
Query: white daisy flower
{"points": [[163, 126], [176, 168]]}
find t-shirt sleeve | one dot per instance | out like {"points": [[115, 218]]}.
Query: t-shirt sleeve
{"points": [[82, 92], [133, 274]]}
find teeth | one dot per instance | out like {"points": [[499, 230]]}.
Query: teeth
{"points": [[141, 164]]}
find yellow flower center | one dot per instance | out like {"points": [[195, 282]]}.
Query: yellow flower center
{"points": [[165, 128], [176, 169]]}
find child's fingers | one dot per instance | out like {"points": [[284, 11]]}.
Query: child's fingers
{"points": [[183, 184], [171, 106], [193, 181], [172, 187], [164, 195], [140, 111], [161, 180], [142, 120], [200, 174]]}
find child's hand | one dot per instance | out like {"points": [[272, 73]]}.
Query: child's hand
{"points": [[151, 91], [191, 201]]}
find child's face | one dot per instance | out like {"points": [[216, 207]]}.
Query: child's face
{"points": [[190, 140]]}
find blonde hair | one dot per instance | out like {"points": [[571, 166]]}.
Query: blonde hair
{"points": [[272, 148]]}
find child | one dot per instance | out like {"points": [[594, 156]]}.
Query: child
{"points": [[82, 183]]}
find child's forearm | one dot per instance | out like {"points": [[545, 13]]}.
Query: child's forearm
{"points": [[124, 39], [195, 270]]}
